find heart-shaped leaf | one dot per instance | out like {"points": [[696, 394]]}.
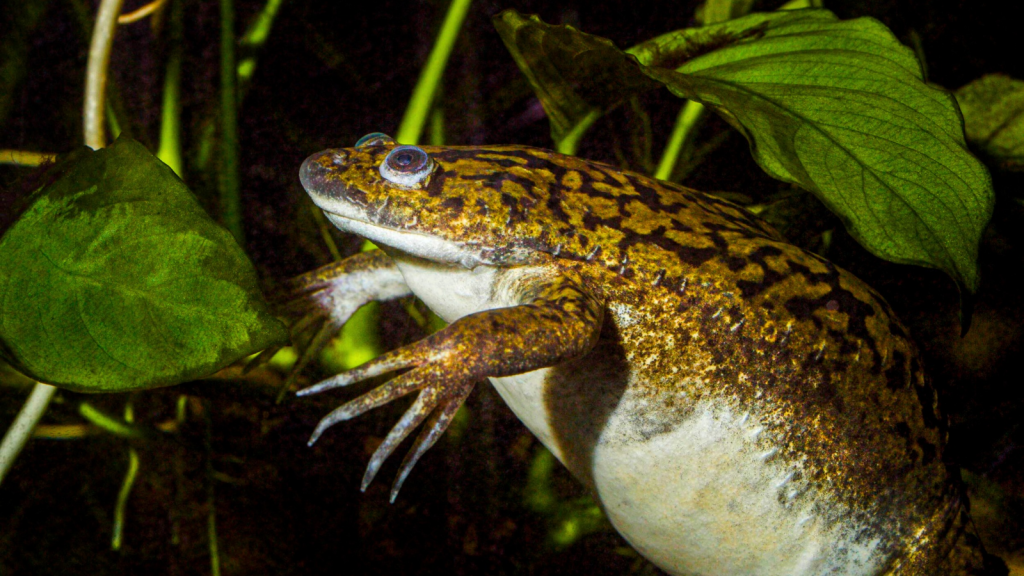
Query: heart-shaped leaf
{"points": [[114, 278]]}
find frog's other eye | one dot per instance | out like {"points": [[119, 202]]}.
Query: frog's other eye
{"points": [[375, 139], [406, 166]]}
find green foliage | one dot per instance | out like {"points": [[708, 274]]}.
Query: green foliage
{"points": [[993, 109], [569, 520], [836, 107], [114, 279]]}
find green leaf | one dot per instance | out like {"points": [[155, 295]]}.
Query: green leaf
{"points": [[114, 278], [993, 108], [838, 108]]}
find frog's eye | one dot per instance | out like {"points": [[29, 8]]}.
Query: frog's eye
{"points": [[375, 139], [406, 166]]}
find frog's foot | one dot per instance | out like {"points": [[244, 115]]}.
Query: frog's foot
{"points": [[443, 388], [324, 299], [559, 321]]}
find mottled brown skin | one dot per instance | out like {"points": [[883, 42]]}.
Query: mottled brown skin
{"points": [[761, 320]]}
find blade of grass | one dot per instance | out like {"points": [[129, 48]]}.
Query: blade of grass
{"points": [[169, 151], [416, 113], [689, 118], [254, 39], [230, 197], [109, 423], [122, 498], [211, 501], [126, 486]]}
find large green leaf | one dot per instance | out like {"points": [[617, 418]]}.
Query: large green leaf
{"points": [[837, 107], [114, 278], [993, 108]]}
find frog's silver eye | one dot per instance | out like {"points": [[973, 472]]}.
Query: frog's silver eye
{"points": [[407, 166], [375, 139]]}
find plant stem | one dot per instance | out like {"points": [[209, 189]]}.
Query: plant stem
{"points": [[689, 117], [211, 501], [122, 498], [230, 197], [169, 151], [96, 72], [25, 158], [108, 423], [254, 38], [415, 118], [141, 12], [571, 141], [21, 429]]}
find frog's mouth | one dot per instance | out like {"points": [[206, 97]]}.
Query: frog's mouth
{"points": [[415, 243], [331, 196]]}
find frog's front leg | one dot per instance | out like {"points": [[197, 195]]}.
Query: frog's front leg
{"points": [[325, 298], [556, 319]]}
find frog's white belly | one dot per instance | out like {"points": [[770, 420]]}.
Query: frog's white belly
{"points": [[706, 497], [709, 498]]}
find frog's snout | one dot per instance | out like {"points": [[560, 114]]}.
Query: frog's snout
{"points": [[317, 168]]}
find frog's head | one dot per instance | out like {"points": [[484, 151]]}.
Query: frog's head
{"points": [[459, 205]]}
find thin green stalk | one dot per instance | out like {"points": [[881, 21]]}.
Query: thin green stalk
{"points": [[126, 485], [255, 37], [686, 123], [325, 232], [211, 502], [170, 119], [416, 113], [571, 141], [109, 423], [21, 429], [437, 127], [230, 196], [122, 498], [112, 123]]}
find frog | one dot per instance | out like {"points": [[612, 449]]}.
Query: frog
{"points": [[737, 405]]}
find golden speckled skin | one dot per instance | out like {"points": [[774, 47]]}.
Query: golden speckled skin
{"points": [[750, 319]]}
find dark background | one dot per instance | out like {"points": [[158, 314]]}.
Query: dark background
{"points": [[329, 74]]}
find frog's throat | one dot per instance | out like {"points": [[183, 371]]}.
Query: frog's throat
{"points": [[416, 243]]}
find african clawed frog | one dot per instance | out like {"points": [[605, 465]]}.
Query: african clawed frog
{"points": [[739, 406]]}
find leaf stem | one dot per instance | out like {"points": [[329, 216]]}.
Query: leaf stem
{"points": [[211, 500], [109, 423], [169, 151], [230, 196], [689, 118], [21, 429], [415, 117], [96, 73], [122, 498], [142, 12], [254, 39], [25, 158]]}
